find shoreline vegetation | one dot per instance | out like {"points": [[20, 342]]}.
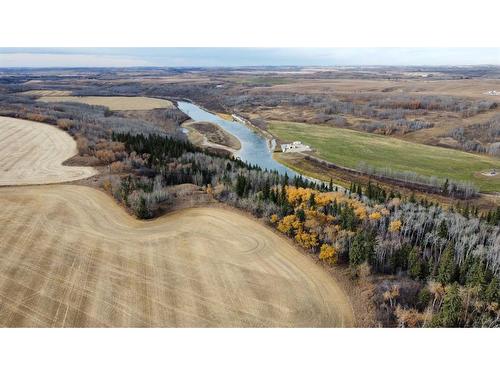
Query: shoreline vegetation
{"points": [[443, 266]]}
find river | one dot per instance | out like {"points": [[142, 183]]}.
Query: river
{"points": [[254, 147]]}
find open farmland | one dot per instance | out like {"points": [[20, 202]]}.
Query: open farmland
{"points": [[70, 257], [471, 88], [348, 148], [114, 103], [56, 93], [33, 153]]}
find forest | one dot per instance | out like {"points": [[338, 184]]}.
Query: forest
{"points": [[445, 265]]}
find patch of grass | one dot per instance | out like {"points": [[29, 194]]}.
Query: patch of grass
{"points": [[347, 148]]}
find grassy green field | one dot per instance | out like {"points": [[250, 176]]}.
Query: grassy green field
{"points": [[347, 148]]}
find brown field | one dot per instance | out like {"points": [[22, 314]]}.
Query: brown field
{"points": [[114, 103], [471, 88], [47, 92], [71, 257], [32, 153]]}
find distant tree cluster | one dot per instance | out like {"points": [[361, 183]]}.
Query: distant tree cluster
{"points": [[401, 126], [481, 137], [451, 188]]}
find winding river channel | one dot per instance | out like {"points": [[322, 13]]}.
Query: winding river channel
{"points": [[255, 148]]}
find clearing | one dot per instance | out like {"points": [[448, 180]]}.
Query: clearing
{"points": [[71, 257], [114, 103], [347, 148], [33, 153]]}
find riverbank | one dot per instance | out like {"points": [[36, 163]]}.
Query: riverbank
{"points": [[255, 148], [207, 134]]}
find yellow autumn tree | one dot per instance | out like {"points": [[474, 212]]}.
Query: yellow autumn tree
{"points": [[107, 185], [298, 196], [375, 215], [322, 199], [288, 224], [274, 218], [306, 240], [360, 212], [395, 226], [328, 254]]}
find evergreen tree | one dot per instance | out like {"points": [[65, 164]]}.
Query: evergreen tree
{"points": [[312, 202], [415, 264], [369, 190], [283, 197], [241, 185], [447, 268], [496, 218], [446, 186], [451, 311], [362, 248], [143, 211], [412, 198], [492, 292], [476, 275], [347, 218], [443, 229], [267, 190], [301, 215]]}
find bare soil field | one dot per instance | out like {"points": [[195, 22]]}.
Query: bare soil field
{"points": [[71, 257], [33, 153], [114, 103]]}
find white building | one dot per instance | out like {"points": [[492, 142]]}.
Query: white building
{"points": [[238, 118], [296, 146]]}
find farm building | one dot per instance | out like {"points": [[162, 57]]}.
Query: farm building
{"points": [[296, 146]]}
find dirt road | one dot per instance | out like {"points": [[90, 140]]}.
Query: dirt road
{"points": [[32, 153], [71, 257]]}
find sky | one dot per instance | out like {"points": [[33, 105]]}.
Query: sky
{"points": [[232, 57]]}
